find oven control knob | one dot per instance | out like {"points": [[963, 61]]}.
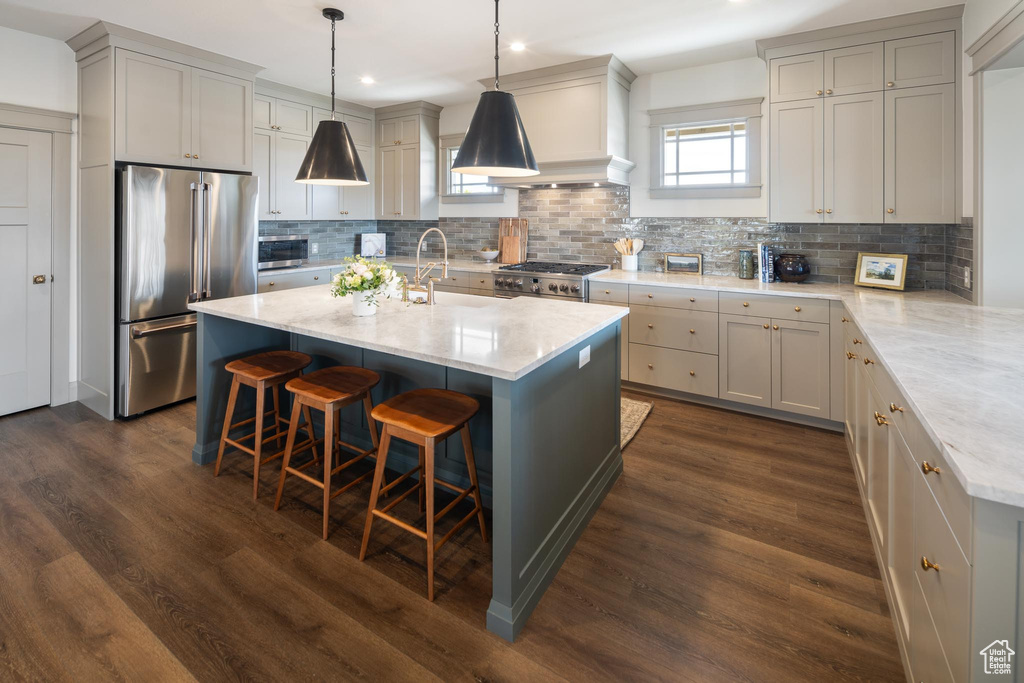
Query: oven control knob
{"points": [[564, 287], [553, 287], [535, 288], [519, 283], [574, 289], [498, 282], [508, 282]]}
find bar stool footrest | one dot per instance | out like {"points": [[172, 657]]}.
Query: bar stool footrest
{"points": [[399, 523]]}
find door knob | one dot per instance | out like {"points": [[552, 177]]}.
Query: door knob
{"points": [[39, 280]]}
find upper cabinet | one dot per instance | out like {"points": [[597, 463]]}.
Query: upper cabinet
{"points": [[406, 175], [332, 203], [288, 117], [865, 131], [173, 114]]}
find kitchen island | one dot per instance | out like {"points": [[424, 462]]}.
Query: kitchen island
{"points": [[546, 374]]}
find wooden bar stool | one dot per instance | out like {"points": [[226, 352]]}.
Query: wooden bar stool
{"points": [[329, 390], [425, 417], [261, 372]]}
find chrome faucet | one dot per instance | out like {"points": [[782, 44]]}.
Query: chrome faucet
{"points": [[421, 273]]}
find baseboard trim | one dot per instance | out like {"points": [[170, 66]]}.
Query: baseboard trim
{"points": [[782, 415]]}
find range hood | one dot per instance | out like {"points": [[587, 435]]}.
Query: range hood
{"points": [[577, 117]]}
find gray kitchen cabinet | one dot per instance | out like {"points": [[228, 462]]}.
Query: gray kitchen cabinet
{"points": [[854, 70], [359, 127], [900, 555], [169, 113], [693, 373], [274, 113], [878, 469], [800, 367], [152, 110], [745, 359], [853, 158], [398, 131], [399, 183], [221, 121], [277, 158], [800, 77], [675, 329], [796, 158], [406, 177], [284, 279], [353, 202], [920, 159], [920, 60]]}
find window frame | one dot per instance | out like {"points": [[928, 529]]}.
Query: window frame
{"points": [[746, 111], [447, 143]]}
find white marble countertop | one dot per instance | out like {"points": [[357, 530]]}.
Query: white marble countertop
{"points": [[472, 265], [504, 338], [959, 367]]}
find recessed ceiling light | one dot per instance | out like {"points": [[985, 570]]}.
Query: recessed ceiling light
{"points": [[367, 80], [517, 47]]}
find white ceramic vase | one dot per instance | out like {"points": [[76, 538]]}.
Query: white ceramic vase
{"points": [[362, 303], [629, 261]]}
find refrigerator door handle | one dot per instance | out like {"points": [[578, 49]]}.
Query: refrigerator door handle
{"points": [[193, 295], [139, 334], [207, 293]]}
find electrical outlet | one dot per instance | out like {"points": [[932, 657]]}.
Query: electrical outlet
{"points": [[967, 277], [423, 246], [315, 248], [584, 355]]}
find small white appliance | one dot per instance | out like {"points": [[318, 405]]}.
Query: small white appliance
{"points": [[373, 245]]}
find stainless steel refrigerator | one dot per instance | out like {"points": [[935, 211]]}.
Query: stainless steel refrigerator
{"points": [[184, 236]]}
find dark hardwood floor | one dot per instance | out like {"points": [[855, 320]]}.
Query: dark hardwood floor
{"points": [[732, 548]]}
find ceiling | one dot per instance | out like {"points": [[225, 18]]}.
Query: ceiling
{"points": [[436, 50]]}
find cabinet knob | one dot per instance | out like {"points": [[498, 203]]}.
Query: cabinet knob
{"points": [[316, 277], [844, 320], [828, 92], [796, 308], [692, 331], [692, 299], [650, 326], [926, 565], [195, 156], [893, 408], [828, 210], [868, 361], [650, 366], [746, 304], [650, 296], [607, 292], [890, 210], [817, 92], [270, 284], [890, 84], [692, 373], [849, 354], [775, 327], [766, 326], [926, 468], [188, 156], [817, 211]]}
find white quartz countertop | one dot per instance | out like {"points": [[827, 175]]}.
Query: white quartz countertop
{"points": [[472, 265], [504, 338], [959, 367]]}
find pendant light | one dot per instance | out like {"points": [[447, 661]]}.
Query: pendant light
{"points": [[496, 143], [332, 158]]}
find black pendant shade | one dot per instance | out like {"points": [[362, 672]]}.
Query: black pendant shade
{"points": [[496, 142], [332, 158]]}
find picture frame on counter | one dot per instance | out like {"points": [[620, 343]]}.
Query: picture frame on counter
{"points": [[688, 264], [885, 271]]}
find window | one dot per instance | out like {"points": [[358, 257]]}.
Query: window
{"points": [[459, 184], [459, 188], [706, 155], [706, 151]]}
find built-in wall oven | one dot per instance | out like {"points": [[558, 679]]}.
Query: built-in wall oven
{"points": [[282, 251]]}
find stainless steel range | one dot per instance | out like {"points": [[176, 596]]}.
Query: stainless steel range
{"points": [[546, 278]]}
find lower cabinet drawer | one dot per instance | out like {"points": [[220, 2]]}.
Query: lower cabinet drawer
{"points": [[674, 328], [694, 373], [927, 660], [272, 282], [946, 588], [481, 281], [773, 306], [608, 292]]}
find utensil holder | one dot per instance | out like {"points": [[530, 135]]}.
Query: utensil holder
{"points": [[629, 261]]}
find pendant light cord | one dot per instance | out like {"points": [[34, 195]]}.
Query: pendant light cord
{"points": [[496, 31], [332, 69]]}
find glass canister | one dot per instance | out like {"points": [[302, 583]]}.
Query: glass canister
{"points": [[746, 264]]}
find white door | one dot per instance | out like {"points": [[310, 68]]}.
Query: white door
{"points": [[25, 184]]}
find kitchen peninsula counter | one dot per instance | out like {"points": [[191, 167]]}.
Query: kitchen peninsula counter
{"points": [[546, 374]]}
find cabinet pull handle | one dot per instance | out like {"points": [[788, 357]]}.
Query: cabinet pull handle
{"points": [[926, 468], [893, 408], [928, 565], [650, 326], [766, 326], [880, 419], [650, 366], [849, 354], [692, 331], [745, 304], [844, 320], [890, 210], [692, 373], [817, 92], [692, 299], [796, 308], [868, 361], [890, 84], [857, 341]]}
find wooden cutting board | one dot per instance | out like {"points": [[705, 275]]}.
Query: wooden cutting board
{"points": [[509, 246], [514, 227]]}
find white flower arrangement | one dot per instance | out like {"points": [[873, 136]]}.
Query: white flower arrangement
{"points": [[365, 275]]}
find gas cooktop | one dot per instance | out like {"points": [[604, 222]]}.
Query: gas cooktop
{"points": [[554, 268]]}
